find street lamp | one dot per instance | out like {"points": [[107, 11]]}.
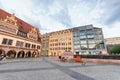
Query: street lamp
{"points": [[66, 44], [58, 37], [58, 46], [45, 53]]}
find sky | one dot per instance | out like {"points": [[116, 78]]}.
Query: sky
{"points": [[54, 15]]}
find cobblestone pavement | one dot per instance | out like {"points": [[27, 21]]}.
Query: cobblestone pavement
{"points": [[49, 69]]}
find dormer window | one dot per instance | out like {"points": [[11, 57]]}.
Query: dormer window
{"points": [[33, 34], [8, 21], [13, 23]]}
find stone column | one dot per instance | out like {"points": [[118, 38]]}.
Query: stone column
{"points": [[25, 55], [16, 55]]}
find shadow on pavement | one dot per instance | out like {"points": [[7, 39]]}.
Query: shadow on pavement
{"points": [[69, 72]]}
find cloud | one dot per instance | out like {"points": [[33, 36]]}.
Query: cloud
{"points": [[51, 24], [1, 5], [107, 12], [53, 15], [59, 12], [115, 13], [112, 30]]}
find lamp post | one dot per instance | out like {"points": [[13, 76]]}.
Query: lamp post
{"points": [[58, 46], [45, 53], [58, 37], [67, 49]]}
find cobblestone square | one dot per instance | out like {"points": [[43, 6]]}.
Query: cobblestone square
{"points": [[49, 69]]}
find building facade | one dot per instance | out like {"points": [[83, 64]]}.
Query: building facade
{"points": [[60, 41], [80, 40], [18, 39], [56, 43], [45, 44], [88, 40], [111, 42]]}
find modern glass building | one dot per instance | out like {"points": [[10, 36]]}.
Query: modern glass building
{"points": [[88, 40]]}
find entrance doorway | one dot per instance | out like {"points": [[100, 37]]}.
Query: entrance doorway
{"points": [[21, 54], [11, 54]]}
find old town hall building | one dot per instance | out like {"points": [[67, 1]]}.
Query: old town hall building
{"points": [[18, 39]]}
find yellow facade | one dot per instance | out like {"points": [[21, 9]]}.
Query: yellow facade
{"points": [[112, 41], [60, 41]]}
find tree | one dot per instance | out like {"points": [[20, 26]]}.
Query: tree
{"points": [[115, 49]]}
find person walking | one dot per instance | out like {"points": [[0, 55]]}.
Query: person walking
{"points": [[1, 57], [4, 57]]}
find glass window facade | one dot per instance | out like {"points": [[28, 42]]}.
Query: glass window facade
{"points": [[92, 46], [90, 32], [76, 39], [90, 36], [76, 42], [89, 27], [83, 41], [83, 37], [82, 33], [88, 40], [82, 28], [77, 47], [91, 41], [84, 47]]}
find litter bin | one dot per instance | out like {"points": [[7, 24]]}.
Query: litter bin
{"points": [[78, 58]]}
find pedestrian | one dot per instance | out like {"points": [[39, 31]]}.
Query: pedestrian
{"points": [[59, 58], [1, 57], [4, 57]]}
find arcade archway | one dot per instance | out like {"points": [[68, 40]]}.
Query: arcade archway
{"points": [[34, 54], [21, 54], [28, 54], [11, 53], [2, 52]]}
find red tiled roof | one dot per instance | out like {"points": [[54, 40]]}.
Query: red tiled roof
{"points": [[25, 27]]}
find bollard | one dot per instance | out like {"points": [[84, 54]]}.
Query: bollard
{"points": [[78, 58]]}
